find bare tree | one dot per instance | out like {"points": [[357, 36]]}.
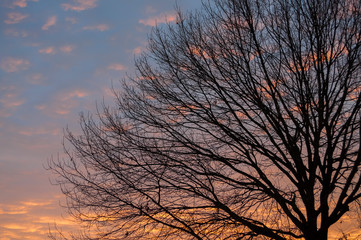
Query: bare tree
{"points": [[243, 122]]}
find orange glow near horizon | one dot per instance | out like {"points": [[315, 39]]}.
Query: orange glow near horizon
{"points": [[31, 219]]}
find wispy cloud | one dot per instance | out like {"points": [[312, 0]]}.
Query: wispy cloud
{"points": [[28, 220], [50, 22], [72, 94], [10, 64], [116, 67], [12, 104], [21, 3], [12, 209], [64, 102], [36, 78], [80, 5], [15, 17], [9, 101], [16, 33], [137, 50], [67, 48], [33, 132], [53, 50], [161, 18], [99, 27], [47, 50], [33, 203]]}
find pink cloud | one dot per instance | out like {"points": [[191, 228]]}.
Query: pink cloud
{"points": [[162, 18], [40, 107], [14, 64], [99, 27], [21, 3], [9, 101], [52, 50], [137, 50], [15, 33], [38, 131], [50, 22], [63, 110], [63, 103], [15, 17], [66, 101], [48, 50], [116, 67], [108, 92], [80, 5], [12, 104], [67, 48], [75, 93], [36, 78]]}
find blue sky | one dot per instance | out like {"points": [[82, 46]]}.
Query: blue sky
{"points": [[58, 58]]}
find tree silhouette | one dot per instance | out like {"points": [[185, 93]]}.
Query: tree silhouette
{"points": [[242, 122]]}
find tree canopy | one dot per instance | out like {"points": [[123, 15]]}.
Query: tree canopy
{"points": [[242, 122]]}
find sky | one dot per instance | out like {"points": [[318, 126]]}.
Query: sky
{"points": [[59, 58]]}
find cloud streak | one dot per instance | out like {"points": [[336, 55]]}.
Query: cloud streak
{"points": [[161, 18], [16, 33], [80, 5], [36, 78], [138, 50], [10, 64], [99, 27], [52, 50], [67, 48], [21, 3], [9, 101], [48, 50], [116, 67], [32, 221], [50, 22], [15, 17], [63, 103], [40, 131]]}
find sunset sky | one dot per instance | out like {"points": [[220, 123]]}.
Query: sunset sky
{"points": [[58, 58]]}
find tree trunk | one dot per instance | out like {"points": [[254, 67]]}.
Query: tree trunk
{"points": [[319, 235]]}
